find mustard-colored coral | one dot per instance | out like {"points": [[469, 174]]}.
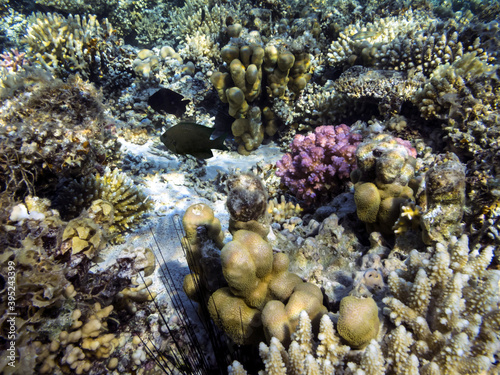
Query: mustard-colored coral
{"points": [[204, 237], [358, 320], [82, 344], [385, 167], [259, 285]]}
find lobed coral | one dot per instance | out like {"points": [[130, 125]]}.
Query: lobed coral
{"points": [[319, 162], [263, 299], [386, 165], [203, 240]]}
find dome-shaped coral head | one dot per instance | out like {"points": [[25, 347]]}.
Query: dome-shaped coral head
{"points": [[318, 163], [247, 198], [385, 159]]}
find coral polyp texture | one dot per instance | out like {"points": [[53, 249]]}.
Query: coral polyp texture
{"points": [[319, 162], [263, 299], [247, 204]]}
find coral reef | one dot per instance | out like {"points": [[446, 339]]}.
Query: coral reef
{"points": [[259, 285], [49, 130], [286, 214], [445, 306], [299, 358], [450, 306], [66, 45], [112, 201], [319, 162], [81, 345], [358, 321], [444, 200], [203, 241], [386, 166]]}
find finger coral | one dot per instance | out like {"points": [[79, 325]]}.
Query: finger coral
{"points": [[319, 162]]}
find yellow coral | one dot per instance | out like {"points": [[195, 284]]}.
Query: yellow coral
{"points": [[358, 320]]}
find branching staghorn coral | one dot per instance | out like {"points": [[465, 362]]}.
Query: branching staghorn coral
{"points": [[65, 45], [450, 304], [412, 41]]}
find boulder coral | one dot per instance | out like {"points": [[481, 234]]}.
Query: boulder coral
{"points": [[386, 166], [358, 320], [247, 204], [263, 299]]}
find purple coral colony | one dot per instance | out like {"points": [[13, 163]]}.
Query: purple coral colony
{"points": [[255, 187]]}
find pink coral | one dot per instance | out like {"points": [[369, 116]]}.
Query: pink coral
{"points": [[319, 161], [13, 60]]}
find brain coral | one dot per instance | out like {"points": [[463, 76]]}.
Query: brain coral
{"points": [[318, 162]]}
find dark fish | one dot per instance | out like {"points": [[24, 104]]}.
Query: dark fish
{"points": [[193, 139], [166, 100]]}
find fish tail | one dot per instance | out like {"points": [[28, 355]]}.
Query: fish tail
{"points": [[218, 143]]}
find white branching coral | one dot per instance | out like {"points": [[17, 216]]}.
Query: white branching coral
{"points": [[300, 358], [444, 312]]}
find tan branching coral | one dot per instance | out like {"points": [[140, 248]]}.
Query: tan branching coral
{"points": [[451, 306], [112, 201], [65, 45], [301, 358]]}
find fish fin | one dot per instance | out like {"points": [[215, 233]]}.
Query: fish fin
{"points": [[218, 143]]}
